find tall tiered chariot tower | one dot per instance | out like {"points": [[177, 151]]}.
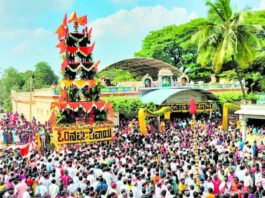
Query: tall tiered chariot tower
{"points": [[79, 116]]}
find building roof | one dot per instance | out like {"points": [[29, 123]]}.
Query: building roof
{"points": [[142, 66], [252, 110], [159, 96]]}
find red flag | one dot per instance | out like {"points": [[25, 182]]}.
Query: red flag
{"points": [[61, 44], [72, 17], [65, 20], [62, 49], [87, 50], [193, 108], [25, 150], [82, 20], [64, 64], [53, 119]]}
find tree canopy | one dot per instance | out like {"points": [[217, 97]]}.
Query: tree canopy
{"points": [[226, 33], [11, 79], [181, 37]]}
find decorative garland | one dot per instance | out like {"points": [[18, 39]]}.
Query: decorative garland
{"points": [[87, 106], [81, 66], [79, 83]]}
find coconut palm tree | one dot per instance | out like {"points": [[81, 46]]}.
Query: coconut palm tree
{"points": [[226, 37]]}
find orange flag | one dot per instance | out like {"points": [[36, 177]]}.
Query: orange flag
{"points": [[61, 44], [96, 65], [72, 17], [64, 64], [65, 20], [82, 20], [53, 119], [60, 30]]}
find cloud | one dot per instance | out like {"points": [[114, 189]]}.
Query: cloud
{"points": [[139, 21], [23, 47], [261, 5], [119, 35]]}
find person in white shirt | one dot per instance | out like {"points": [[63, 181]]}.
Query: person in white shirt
{"points": [[72, 187], [53, 189], [208, 184], [240, 172], [248, 182], [41, 190], [26, 194], [258, 177]]}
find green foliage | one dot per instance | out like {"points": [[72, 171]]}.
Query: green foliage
{"points": [[117, 75], [234, 97], [44, 75], [20, 81], [262, 84], [169, 43], [10, 80], [157, 45], [229, 75], [173, 45], [129, 106], [226, 33]]}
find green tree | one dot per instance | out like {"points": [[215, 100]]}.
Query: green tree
{"points": [[129, 107], [44, 75], [20, 81], [226, 36], [173, 45], [10, 80], [25, 76]]}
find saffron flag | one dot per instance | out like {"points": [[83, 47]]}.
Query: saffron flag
{"points": [[72, 17], [24, 150], [64, 64], [82, 20], [65, 20], [61, 44], [96, 65], [53, 122], [60, 30]]}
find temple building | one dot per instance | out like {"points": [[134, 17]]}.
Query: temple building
{"points": [[160, 83]]}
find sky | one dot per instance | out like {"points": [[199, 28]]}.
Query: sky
{"points": [[27, 27]]}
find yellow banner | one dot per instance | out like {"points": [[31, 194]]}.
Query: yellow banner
{"points": [[72, 136]]}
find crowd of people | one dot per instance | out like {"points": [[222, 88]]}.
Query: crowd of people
{"points": [[160, 165]]}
